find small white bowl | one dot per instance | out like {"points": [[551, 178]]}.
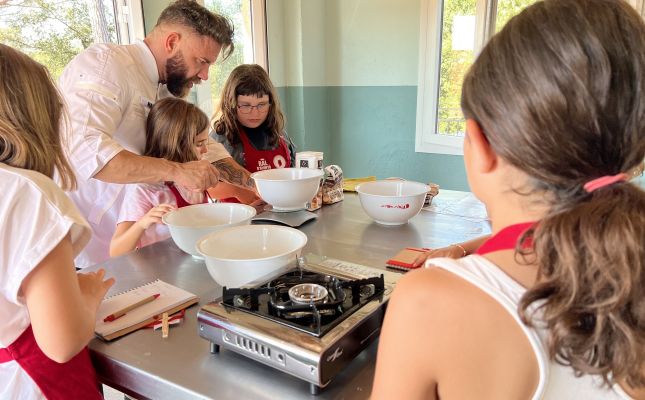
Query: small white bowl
{"points": [[288, 189], [189, 224], [392, 202], [240, 255]]}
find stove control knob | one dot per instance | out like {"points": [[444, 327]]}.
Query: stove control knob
{"points": [[312, 370], [280, 358], [227, 337]]}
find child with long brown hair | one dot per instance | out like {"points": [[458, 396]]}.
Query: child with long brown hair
{"points": [[48, 311], [251, 125], [552, 305], [176, 131]]}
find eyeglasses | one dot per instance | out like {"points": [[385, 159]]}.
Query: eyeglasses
{"points": [[246, 108]]}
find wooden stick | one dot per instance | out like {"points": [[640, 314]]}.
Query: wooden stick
{"points": [[164, 325]]}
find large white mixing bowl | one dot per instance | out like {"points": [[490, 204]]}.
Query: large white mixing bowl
{"points": [[189, 224], [243, 254], [392, 202], [288, 189]]}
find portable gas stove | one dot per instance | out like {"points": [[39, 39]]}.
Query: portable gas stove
{"points": [[309, 322]]}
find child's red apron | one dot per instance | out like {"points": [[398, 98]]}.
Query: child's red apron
{"points": [[75, 379], [259, 160], [181, 202], [506, 239]]}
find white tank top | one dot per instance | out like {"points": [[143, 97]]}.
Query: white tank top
{"points": [[556, 381]]}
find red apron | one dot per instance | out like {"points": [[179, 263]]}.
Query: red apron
{"points": [[506, 239], [259, 160], [75, 379], [181, 202]]}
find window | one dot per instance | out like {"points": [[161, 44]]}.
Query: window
{"points": [[452, 33], [248, 17], [54, 31]]}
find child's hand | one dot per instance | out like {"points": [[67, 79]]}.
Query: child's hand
{"points": [[154, 215], [452, 251], [93, 287]]}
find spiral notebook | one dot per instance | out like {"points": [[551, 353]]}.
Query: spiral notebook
{"points": [[171, 299], [404, 259]]}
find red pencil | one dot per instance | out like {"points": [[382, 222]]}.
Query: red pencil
{"points": [[122, 312]]}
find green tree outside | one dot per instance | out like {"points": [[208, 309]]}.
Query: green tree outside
{"points": [[239, 13], [455, 63], [52, 33]]}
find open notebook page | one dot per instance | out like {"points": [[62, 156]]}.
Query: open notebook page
{"points": [[170, 297]]}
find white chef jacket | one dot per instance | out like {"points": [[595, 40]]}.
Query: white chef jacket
{"points": [[108, 90]]}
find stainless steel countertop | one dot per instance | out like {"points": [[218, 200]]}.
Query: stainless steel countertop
{"points": [[144, 365]]}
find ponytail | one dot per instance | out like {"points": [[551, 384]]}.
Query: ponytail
{"points": [[590, 289]]}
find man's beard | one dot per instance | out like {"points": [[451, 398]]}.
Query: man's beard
{"points": [[176, 80]]}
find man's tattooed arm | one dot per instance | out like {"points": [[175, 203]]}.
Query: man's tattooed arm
{"points": [[233, 173]]}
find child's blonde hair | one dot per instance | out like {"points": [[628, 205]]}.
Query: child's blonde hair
{"points": [[171, 129], [248, 80], [31, 118]]}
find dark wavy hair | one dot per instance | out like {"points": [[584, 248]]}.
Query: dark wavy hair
{"points": [[192, 15], [248, 80], [560, 94]]}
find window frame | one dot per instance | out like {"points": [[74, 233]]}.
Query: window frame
{"points": [[427, 139], [130, 22]]}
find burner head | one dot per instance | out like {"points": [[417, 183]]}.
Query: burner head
{"points": [[307, 293]]}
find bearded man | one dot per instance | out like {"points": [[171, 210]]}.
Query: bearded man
{"points": [[109, 89]]}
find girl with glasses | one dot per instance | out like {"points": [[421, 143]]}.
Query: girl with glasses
{"points": [[250, 125], [552, 305], [176, 131]]}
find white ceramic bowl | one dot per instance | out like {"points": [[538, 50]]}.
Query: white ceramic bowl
{"points": [[288, 189], [189, 224], [392, 202], [244, 254]]}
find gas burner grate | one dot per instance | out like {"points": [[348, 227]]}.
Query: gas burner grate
{"points": [[271, 300]]}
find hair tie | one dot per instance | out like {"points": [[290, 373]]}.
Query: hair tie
{"points": [[604, 181]]}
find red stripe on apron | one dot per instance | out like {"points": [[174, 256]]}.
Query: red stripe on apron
{"points": [[75, 379]]}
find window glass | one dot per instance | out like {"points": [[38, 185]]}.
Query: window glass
{"points": [[239, 12], [507, 9], [457, 54], [54, 31]]}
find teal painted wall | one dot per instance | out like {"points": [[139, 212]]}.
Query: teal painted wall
{"points": [[367, 131], [346, 72]]}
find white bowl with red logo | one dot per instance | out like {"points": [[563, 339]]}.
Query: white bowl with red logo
{"points": [[392, 202], [288, 189]]}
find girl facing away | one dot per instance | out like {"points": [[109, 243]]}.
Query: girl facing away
{"points": [[47, 310], [552, 306], [177, 131], [251, 125]]}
